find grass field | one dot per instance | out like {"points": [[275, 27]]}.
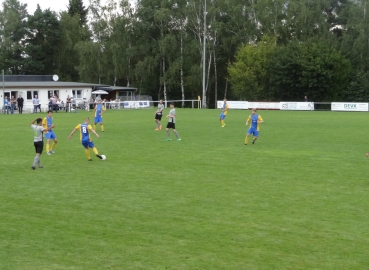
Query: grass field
{"points": [[297, 199]]}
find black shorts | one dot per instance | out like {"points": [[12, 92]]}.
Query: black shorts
{"points": [[158, 116], [171, 125], [39, 146]]}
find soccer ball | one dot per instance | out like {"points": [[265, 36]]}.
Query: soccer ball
{"points": [[103, 157]]}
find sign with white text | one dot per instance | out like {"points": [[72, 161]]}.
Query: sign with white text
{"points": [[233, 104], [264, 105], [297, 106], [136, 104], [349, 106]]}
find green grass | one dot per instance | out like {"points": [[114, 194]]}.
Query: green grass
{"points": [[297, 199]]}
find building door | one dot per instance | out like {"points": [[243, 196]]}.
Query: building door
{"points": [[7, 94]]}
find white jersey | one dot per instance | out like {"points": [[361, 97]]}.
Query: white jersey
{"points": [[39, 133], [160, 109], [172, 113]]}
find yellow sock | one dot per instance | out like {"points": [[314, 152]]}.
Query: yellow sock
{"points": [[53, 145], [94, 127], [222, 121], [246, 140], [47, 147], [102, 128], [87, 153], [95, 151]]}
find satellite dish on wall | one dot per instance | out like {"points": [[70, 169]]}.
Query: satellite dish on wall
{"points": [[55, 78]]}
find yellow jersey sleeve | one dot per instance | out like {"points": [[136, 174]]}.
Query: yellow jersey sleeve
{"points": [[80, 133], [44, 123], [89, 127], [226, 109], [259, 119], [249, 118]]}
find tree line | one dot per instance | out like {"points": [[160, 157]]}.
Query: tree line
{"points": [[266, 50]]}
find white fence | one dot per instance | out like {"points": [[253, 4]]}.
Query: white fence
{"points": [[350, 106], [297, 106]]}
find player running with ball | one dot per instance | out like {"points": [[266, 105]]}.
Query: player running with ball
{"points": [[85, 137]]}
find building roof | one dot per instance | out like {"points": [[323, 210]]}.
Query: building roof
{"points": [[115, 88], [51, 81], [49, 84], [28, 78]]}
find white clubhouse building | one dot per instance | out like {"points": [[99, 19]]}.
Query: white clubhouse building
{"points": [[44, 86]]}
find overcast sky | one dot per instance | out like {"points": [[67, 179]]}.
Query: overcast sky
{"points": [[55, 5]]}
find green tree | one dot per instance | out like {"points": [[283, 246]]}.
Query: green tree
{"points": [[92, 53], [76, 7], [44, 36], [310, 68], [119, 44], [13, 30], [249, 73], [67, 58]]}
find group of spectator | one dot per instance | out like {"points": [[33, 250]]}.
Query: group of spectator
{"points": [[55, 104], [10, 104], [109, 105]]}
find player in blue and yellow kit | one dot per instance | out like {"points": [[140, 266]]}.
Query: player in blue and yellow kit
{"points": [[85, 138], [98, 112], [255, 120], [223, 115], [50, 135]]}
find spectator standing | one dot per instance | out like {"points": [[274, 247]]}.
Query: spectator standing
{"points": [[13, 102], [91, 103], [36, 104], [68, 103], [20, 101], [54, 105], [6, 105]]}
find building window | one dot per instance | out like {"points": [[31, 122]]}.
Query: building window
{"points": [[50, 93], [77, 93], [31, 94]]}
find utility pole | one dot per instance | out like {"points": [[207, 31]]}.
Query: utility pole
{"points": [[204, 61], [3, 90]]}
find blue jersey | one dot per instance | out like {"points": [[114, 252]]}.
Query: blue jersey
{"points": [[47, 122], [98, 110], [254, 121], [84, 134]]}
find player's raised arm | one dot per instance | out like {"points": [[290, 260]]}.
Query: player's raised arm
{"points": [[34, 121]]}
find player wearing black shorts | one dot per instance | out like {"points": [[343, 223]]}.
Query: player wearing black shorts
{"points": [[172, 123], [38, 140], [159, 114]]}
